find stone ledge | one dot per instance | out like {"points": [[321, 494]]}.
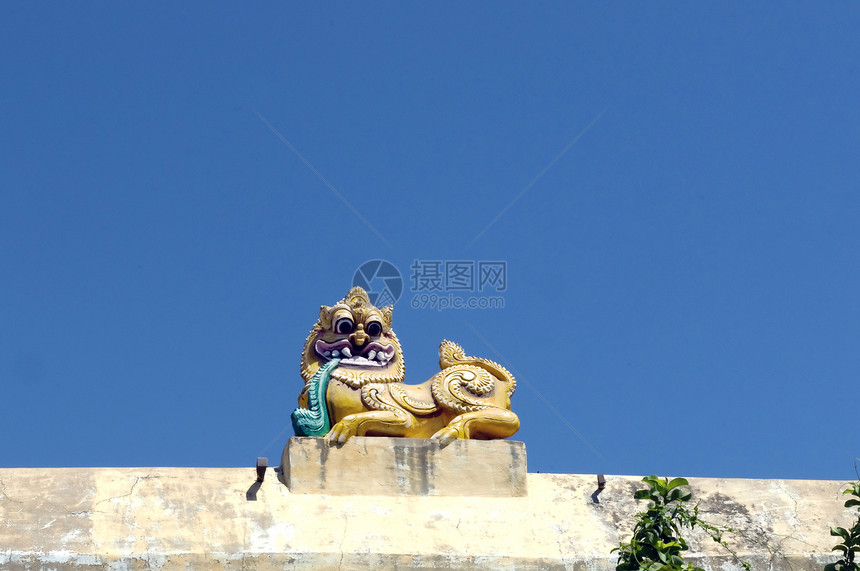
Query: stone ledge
{"points": [[175, 519], [405, 467]]}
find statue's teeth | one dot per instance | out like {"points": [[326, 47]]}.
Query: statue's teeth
{"points": [[346, 352], [327, 354], [371, 355], [335, 353]]}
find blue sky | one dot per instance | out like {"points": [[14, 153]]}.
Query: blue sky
{"points": [[673, 188]]}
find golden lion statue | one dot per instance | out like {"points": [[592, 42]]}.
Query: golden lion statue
{"points": [[353, 369]]}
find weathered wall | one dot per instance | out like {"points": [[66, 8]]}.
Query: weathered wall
{"points": [[179, 518]]}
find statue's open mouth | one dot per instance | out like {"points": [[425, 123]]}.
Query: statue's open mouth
{"points": [[372, 354]]}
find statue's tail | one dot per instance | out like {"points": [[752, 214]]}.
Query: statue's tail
{"points": [[451, 354], [314, 420]]}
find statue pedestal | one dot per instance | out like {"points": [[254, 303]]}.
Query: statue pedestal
{"points": [[381, 466]]}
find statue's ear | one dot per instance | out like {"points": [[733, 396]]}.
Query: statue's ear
{"points": [[386, 315], [325, 316]]}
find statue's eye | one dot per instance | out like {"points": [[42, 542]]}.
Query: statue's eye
{"points": [[374, 328], [344, 325]]}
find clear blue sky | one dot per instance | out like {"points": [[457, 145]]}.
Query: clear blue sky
{"points": [[675, 189]]}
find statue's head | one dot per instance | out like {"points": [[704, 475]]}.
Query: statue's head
{"points": [[360, 335]]}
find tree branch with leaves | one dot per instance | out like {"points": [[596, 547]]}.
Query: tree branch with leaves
{"points": [[657, 543], [850, 545]]}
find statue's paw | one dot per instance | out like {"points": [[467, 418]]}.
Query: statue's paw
{"points": [[340, 432], [447, 435]]}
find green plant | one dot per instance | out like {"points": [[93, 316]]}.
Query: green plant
{"points": [[850, 546], [657, 542]]}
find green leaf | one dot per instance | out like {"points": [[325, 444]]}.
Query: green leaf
{"points": [[652, 480], [685, 495], [851, 503], [677, 482], [840, 532]]}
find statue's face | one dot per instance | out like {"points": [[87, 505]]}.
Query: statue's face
{"points": [[360, 335]]}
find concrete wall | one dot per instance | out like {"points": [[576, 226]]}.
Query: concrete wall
{"points": [[213, 518]]}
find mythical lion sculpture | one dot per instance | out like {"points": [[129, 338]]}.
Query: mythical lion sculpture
{"points": [[353, 369]]}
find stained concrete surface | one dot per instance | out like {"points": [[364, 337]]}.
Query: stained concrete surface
{"points": [[405, 466], [220, 518]]}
